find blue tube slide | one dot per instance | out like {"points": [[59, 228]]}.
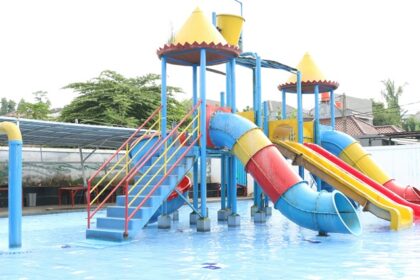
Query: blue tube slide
{"points": [[319, 211]]}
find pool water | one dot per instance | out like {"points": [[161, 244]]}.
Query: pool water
{"points": [[54, 247]]}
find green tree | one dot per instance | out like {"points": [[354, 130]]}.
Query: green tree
{"points": [[391, 113], [113, 99], [7, 106], [411, 124], [40, 109]]}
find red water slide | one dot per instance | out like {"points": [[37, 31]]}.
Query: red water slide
{"points": [[378, 187]]}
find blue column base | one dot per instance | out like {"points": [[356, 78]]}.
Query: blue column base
{"points": [[175, 215], [260, 217], [234, 220], [254, 209], [268, 210], [222, 215], [164, 222], [203, 225], [193, 218]]}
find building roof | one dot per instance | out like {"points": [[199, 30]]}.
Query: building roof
{"points": [[352, 126], [58, 134], [383, 129]]}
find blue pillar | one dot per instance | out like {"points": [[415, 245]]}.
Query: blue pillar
{"points": [[254, 107], [283, 105], [258, 121], [317, 138], [316, 117], [299, 114], [195, 166], [266, 132], [234, 162], [15, 193], [332, 109], [222, 166], [163, 97], [203, 138], [228, 158]]}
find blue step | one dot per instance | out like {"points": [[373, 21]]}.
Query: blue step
{"points": [[111, 227], [118, 223], [151, 201]]}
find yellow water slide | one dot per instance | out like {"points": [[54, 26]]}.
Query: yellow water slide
{"points": [[373, 201]]}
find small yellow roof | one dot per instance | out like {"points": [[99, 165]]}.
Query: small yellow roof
{"points": [[308, 68], [198, 29]]}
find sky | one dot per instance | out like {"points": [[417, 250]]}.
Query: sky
{"points": [[47, 44]]}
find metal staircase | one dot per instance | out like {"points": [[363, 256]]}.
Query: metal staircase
{"points": [[154, 166]]}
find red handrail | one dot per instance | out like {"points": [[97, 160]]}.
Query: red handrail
{"points": [[107, 162], [129, 217]]}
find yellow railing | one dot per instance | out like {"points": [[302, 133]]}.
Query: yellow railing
{"points": [[148, 133], [165, 157]]}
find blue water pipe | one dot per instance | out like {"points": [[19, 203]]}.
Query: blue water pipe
{"points": [[163, 97]]}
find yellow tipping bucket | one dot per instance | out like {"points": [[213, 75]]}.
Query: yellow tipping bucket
{"points": [[230, 26]]}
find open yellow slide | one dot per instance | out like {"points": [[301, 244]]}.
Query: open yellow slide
{"points": [[373, 201]]}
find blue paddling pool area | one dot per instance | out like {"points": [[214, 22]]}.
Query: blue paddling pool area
{"points": [[54, 246]]}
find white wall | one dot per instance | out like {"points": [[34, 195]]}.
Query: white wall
{"points": [[401, 162]]}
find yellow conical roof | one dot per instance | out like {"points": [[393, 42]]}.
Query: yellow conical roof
{"points": [[198, 29], [308, 68]]}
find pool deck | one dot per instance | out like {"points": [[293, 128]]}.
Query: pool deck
{"points": [[53, 209]]}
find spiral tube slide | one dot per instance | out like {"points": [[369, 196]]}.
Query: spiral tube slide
{"points": [[324, 212], [350, 151]]}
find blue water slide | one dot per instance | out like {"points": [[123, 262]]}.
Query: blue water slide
{"points": [[319, 211]]}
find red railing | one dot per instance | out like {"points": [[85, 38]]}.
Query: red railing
{"points": [[106, 163]]}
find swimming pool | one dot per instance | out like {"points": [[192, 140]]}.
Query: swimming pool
{"points": [[54, 246]]}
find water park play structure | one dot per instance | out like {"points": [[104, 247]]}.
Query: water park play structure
{"points": [[157, 162], [153, 177]]}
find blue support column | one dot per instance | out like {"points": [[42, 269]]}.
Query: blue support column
{"points": [[15, 193], [163, 97], [228, 158], [254, 107], [332, 109], [233, 219], [317, 135], [234, 163], [258, 121], [203, 138], [266, 132], [316, 117], [222, 166], [195, 166], [283, 105], [299, 114]]}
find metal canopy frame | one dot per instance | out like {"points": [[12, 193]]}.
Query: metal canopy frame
{"points": [[70, 135]]}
